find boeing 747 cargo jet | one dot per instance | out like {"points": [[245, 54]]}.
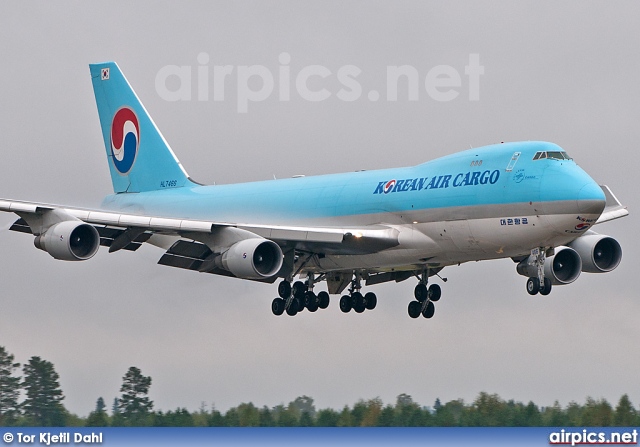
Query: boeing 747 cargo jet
{"points": [[528, 201]]}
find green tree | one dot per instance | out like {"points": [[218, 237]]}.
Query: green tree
{"points": [[287, 417], [357, 413], [625, 415], [488, 410], [303, 404], [116, 417], [215, 418], [9, 389], [387, 416], [232, 418], [372, 413], [180, 418], [248, 415], [266, 417], [43, 403], [408, 413], [306, 420], [134, 404], [553, 416], [597, 413], [573, 414], [451, 414], [344, 419], [98, 417], [533, 417], [327, 418]]}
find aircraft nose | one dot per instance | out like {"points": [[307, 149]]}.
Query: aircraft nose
{"points": [[591, 199]]}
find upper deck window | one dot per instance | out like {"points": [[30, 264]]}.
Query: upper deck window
{"points": [[556, 155]]}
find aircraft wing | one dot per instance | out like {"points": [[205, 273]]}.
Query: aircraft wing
{"points": [[129, 231], [613, 208]]}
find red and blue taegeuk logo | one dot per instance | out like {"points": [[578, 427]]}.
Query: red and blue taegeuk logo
{"points": [[388, 187], [125, 139]]}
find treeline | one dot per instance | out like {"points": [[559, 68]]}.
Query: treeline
{"points": [[42, 406]]}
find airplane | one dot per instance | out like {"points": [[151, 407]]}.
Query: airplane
{"points": [[528, 201]]}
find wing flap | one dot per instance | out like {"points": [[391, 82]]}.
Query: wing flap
{"points": [[21, 226]]}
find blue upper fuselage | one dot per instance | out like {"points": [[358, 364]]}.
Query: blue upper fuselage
{"points": [[490, 175]]}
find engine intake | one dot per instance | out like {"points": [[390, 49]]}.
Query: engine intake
{"points": [[562, 268], [599, 253], [70, 240], [254, 258]]}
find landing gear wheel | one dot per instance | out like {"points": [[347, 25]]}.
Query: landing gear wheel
{"points": [[299, 302], [420, 292], [345, 303], [414, 309], [546, 288], [371, 300], [293, 308], [284, 289], [434, 293], [533, 286], [311, 301], [299, 289], [323, 300], [358, 302], [277, 306], [429, 310]]}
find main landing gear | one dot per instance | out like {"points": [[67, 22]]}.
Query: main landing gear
{"points": [[356, 300], [296, 298], [425, 297]]}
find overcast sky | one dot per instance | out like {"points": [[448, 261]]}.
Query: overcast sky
{"points": [[563, 72]]}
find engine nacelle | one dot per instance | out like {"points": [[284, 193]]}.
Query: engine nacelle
{"points": [[599, 253], [71, 240], [563, 267], [254, 258]]}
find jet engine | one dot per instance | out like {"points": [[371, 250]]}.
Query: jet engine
{"points": [[599, 253], [562, 268], [254, 258], [71, 240]]}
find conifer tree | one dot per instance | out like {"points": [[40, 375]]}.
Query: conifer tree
{"points": [[134, 404], [9, 388], [98, 417], [43, 404]]}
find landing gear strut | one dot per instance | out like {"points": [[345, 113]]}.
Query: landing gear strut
{"points": [[295, 298], [538, 284], [356, 300], [425, 297]]}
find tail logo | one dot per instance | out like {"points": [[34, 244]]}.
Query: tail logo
{"points": [[125, 139]]}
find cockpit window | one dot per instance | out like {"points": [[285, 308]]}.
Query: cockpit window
{"points": [[557, 155], [540, 155]]}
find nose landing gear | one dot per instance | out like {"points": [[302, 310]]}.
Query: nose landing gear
{"points": [[538, 284]]}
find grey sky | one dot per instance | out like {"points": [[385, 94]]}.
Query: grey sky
{"points": [[563, 72]]}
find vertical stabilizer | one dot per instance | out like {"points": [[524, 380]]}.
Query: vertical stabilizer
{"points": [[139, 157]]}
